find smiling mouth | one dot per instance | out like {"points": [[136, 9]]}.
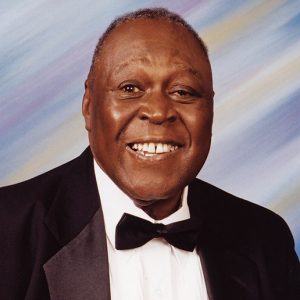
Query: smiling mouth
{"points": [[152, 149]]}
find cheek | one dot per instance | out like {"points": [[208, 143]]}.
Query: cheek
{"points": [[111, 118], [106, 119], [200, 129], [199, 125]]}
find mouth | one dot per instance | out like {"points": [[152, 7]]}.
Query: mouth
{"points": [[152, 149]]}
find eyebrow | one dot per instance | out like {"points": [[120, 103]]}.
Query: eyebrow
{"points": [[146, 61], [140, 60], [189, 69]]}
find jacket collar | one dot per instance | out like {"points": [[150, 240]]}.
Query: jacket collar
{"points": [[79, 270], [229, 268], [76, 201]]}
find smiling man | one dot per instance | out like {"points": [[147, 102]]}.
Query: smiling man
{"points": [[127, 219], [148, 109]]}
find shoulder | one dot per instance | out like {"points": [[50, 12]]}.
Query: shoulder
{"points": [[238, 218], [30, 200], [24, 208], [23, 231], [30, 192], [227, 203], [248, 231]]}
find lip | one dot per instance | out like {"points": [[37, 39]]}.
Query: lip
{"points": [[154, 157], [155, 140]]}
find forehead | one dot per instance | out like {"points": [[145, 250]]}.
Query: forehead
{"points": [[148, 40]]}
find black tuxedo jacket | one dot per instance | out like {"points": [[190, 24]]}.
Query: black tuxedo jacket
{"points": [[53, 243]]}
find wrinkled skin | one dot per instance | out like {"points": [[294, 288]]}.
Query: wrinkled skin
{"points": [[152, 83]]}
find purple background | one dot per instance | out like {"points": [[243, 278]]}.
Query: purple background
{"points": [[45, 53]]}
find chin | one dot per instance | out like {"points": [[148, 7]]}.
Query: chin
{"points": [[153, 191]]}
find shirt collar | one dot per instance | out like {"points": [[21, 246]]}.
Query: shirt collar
{"points": [[115, 203]]}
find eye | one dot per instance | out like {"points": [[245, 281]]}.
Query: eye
{"points": [[183, 93], [130, 88]]}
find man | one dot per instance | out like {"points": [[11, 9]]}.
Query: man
{"points": [[92, 228]]}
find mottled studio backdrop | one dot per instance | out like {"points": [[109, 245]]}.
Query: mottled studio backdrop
{"points": [[45, 53]]}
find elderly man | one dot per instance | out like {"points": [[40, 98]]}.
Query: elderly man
{"points": [[127, 219]]}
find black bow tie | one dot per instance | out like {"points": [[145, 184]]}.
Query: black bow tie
{"points": [[133, 232]]}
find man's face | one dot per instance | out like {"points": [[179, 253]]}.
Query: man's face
{"points": [[149, 109]]}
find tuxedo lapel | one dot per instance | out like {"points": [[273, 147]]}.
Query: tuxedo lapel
{"points": [[77, 199], [80, 269], [229, 270]]}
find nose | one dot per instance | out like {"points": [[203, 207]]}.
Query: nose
{"points": [[158, 109]]}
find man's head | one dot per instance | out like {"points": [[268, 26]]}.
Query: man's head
{"points": [[147, 13], [148, 106]]}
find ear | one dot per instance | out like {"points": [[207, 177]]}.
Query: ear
{"points": [[87, 106]]}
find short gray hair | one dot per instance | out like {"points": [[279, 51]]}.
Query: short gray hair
{"points": [[146, 13]]}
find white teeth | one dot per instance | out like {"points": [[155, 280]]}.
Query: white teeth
{"points": [[159, 148], [146, 147], [166, 148], [153, 148]]}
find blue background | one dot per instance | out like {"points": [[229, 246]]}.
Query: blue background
{"points": [[45, 54]]}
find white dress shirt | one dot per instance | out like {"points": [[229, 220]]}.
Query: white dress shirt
{"points": [[156, 270]]}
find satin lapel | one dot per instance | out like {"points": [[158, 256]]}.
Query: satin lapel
{"points": [[229, 271], [77, 199], [80, 269]]}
